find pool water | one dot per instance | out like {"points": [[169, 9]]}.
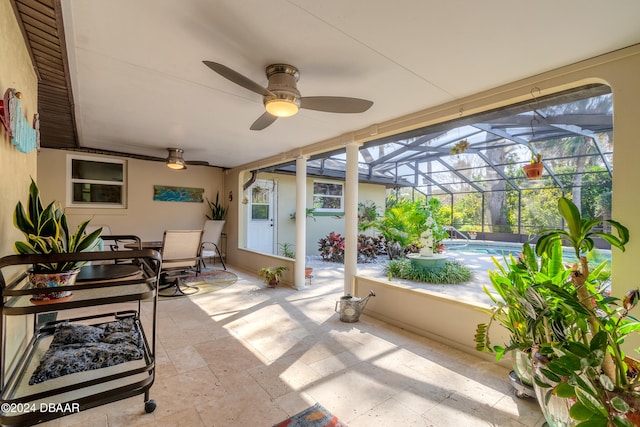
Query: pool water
{"points": [[499, 249], [483, 247]]}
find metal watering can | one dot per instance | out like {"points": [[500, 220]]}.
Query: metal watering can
{"points": [[351, 307]]}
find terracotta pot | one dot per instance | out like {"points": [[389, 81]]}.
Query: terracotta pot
{"points": [[273, 283], [47, 280], [533, 170], [307, 272], [634, 418]]}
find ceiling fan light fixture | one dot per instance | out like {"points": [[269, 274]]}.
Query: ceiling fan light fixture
{"points": [[282, 106], [175, 160]]}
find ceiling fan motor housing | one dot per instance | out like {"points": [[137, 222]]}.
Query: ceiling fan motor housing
{"points": [[282, 83]]}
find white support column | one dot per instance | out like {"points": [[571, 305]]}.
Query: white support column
{"points": [[351, 218], [301, 221]]}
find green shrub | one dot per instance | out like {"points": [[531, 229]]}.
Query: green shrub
{"points": [[452, 273]]}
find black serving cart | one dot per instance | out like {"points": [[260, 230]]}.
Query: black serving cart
{"points": [[112, 286]]}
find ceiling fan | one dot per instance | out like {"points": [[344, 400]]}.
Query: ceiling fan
{"points": [[281, 97], [176, 161]]}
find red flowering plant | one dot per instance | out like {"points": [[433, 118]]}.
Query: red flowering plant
{"points": [[332, 247]]}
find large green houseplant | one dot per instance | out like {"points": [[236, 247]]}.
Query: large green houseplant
{"points": [[46, 232], [567, 322], [589, 366], [515, 300]]}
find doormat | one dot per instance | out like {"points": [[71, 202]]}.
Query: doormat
{"points": [[315, 416], [205, 282]]}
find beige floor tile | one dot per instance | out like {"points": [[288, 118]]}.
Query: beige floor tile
{"points": [[283, 376], [185, 358], [250, 356], [391, 412], [226, 356]]}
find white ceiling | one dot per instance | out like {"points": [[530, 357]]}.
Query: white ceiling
{"points": [[140, 86]]}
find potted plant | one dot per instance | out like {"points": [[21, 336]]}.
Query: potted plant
{"points": [[473, 235], [589, 366], [516, 306], [46, 232], [287, 250], [571, 329], [535, 167], [272, 275], [460, 147], [218, 212]]}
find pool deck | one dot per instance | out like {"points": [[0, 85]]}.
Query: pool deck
{"points": [[471, 291]]}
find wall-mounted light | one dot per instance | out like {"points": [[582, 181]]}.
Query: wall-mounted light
{"points": [[175, 160]]}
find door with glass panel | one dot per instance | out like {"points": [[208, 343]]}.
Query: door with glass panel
{"points": [[261, 226]]}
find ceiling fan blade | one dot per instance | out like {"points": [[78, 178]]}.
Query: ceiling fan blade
{"points": [[263, 121], [237, 78], [335, 104], [197, 162]]}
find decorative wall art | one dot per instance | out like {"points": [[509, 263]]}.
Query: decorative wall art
{"points": [[165, 193], [24, 136]]}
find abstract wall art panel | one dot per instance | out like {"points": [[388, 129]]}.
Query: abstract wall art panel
{"points": [[165, 193]]}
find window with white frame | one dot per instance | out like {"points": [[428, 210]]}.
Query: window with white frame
{"points": [[328, 196], [96, 182]]}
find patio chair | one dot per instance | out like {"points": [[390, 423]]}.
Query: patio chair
{"points": [[180, 258], [211, 241], [115, 242]]}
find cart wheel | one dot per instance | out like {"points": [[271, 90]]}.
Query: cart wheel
{"points": [[520, 394], [149, 406]]}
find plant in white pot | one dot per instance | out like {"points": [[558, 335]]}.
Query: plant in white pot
{"points": [[218, 212], [47, 232], [213, 230]]}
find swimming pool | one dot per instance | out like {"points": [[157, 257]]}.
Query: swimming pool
{"points": [[482, 247], [498, 249]]}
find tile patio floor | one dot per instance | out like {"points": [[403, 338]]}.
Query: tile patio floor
{"points": [[248, 356]]}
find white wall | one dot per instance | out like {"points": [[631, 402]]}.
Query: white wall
{"points": [[323, 224]]}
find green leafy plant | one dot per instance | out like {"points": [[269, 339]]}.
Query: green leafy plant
{"points": [[460, 147], [367, 215], [218, 212], [404, 222], [287, 250], [519, 289], [589, 365], [47, 232], [451, 273], [310, 213], [272, 275], [535, 157]]}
